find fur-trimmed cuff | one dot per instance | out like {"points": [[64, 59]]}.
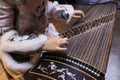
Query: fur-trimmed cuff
{"points": [[7, 45], [13, 65]]}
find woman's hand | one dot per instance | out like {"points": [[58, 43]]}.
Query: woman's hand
{"points": [[54, 44], [78, 14]]}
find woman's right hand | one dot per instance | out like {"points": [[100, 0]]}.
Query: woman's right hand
{"points": [[54, 44]]}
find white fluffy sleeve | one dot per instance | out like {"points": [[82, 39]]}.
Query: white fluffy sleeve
{"points": [[10, 63], [51, 5], [10, 41]]}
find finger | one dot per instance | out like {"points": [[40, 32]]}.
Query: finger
{"points": [[61, 49], [82, 13], [64, 39], [63, 43], [59, 37], [74, 16], [79, 12]]}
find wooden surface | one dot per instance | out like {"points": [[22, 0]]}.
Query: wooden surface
{"points": [[3, 75], [61, 26]]}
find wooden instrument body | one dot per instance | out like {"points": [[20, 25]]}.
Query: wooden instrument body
{"points": [[88, 50]]}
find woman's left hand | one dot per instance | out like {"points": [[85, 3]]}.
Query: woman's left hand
{"points": [[78, 14]]}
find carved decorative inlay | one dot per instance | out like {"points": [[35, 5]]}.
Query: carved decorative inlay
{"points": [[52, 69]]}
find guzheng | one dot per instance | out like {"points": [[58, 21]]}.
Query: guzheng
{"points": [[88, 50]]}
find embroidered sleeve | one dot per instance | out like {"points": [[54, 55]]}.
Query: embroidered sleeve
{"points": [[60, 12]]}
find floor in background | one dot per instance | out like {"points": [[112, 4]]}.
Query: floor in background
{"points": [[113, 71]]}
